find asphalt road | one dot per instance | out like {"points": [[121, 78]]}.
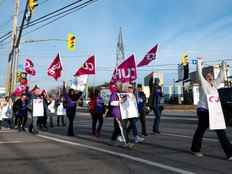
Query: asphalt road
{"points": [[53, 152]]}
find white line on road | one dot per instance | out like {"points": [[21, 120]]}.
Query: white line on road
{"points": [[7, 131], [10, 142], [188, 137], [137, 159]]}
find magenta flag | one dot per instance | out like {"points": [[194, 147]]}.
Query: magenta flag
{"points": [[87, 68], [29, 67], [125, 72], [151, 55], [55, 68]]}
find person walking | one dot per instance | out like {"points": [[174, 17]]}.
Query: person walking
{"points": [[141, 102], [154, 103], [60, 112], [70, 99], [6, 113], [208, 86], [114, 102], [52, 111], [98, 114], [130, 114], [20, 108]]}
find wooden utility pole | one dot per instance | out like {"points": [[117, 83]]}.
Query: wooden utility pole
{"points": [[13, 56], [11, 61]]}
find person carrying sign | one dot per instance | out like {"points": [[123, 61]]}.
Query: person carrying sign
{"points": [[206, 114]]}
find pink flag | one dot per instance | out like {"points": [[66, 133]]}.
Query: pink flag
{"points": [[151, 55], [55, 68], [87, 68], [125, 72], [29, 67]]}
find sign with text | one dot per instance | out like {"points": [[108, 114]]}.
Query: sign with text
{"points": [[216, 117], [38, 108]]}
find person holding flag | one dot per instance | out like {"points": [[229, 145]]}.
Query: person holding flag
{"points": [[71, 99]]}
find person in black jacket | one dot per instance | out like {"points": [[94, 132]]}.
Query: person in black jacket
{"points": [[141, 102], [154, 103], [20, 109]]}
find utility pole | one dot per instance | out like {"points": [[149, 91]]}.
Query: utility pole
{"points": [[13, 56], [11, 61]]}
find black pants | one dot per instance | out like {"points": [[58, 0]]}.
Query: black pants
{"points": [[97, 117], [71, 115], [142, 117], [203, 125], [21, 122], [116, 131]]}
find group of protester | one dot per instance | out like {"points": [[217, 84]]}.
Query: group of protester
{"points": [[17, 111], [126, 107]]}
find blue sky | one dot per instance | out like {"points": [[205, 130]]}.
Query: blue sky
{"points": [[197, 27]]}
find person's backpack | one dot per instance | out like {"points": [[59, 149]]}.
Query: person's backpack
{"points": [[100, 106]]}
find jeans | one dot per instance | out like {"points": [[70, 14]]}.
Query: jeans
{"points": [[156, 123], [132, 125], [203, 125], [7, 122], [97, 117], [62, 119], [33, 126]]}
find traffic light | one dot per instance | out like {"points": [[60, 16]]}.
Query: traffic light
{"points": [[184, 59], [71, 42], [32, 4], [20, 76]]}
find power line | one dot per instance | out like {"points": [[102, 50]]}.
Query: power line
{"points": [[47, 17], [76, 9]]}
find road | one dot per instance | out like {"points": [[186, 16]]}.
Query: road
{"points": [[52, 152]]}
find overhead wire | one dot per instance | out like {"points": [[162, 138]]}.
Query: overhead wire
{"points": [[51, 15]]}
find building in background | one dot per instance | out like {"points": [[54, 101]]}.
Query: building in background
{"points": [[2, 91]]}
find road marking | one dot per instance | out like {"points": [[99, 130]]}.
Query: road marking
{"points": [[188, 137], [137, 159], [7, 131], [10, 142]]}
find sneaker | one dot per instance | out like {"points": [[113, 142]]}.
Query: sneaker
{"points": [[139, 139], [230, 158], [129, 145], [144, 134], [120, 139], [156, 132], [197, 154]]}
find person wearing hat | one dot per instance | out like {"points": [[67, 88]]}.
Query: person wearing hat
{"points": [[114, 103]]}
